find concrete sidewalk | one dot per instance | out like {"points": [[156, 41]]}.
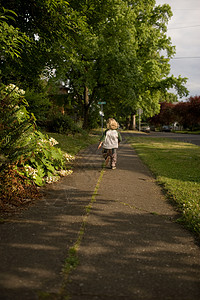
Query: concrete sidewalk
{"points": [[131, 248]]}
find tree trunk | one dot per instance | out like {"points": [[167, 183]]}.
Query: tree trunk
{"points": [[132, 122], [127, 123], [86, 108]]}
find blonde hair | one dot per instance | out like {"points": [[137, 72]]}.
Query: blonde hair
{"points": [[112, 124]]}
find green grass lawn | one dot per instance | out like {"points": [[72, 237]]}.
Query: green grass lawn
{"points": [[72, 144], [188, 131], [176, 166]]}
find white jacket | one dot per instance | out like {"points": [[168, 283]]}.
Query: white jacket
{"points": [[110, 139]]}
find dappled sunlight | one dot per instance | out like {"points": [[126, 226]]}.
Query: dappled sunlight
{"points": [[176, 166], [134, 249], [162, 143], [22, 280], [172, 159], [33, 246]]}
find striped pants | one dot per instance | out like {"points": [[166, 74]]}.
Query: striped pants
{"points": [[112, 153]]}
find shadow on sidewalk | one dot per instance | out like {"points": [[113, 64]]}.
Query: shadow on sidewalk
{"points": [[126, 253], [134, 255]]}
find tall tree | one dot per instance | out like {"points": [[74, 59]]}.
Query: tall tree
{"points": [[117, 57], [100, 66], [107, 50], [11, 39], [188, 112], [166, 115], [48, 24]]}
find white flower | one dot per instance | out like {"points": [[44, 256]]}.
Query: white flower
{"points": [[53, 142], [21, 92], [41, 142], [68, 157], [15, 89], [52, 179], [10, 87], [65, 172], [31, 171]]}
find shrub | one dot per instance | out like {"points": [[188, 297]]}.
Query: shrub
{"points": [[15, 189], [27, 157], [39, 104], [16, 125], [60, 123], [47, 163]]}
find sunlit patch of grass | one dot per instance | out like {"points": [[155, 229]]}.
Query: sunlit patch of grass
{"points": [[188, 131], [72, 144], [176, 166]]}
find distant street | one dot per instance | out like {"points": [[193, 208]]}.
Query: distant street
{"points": [[188, 138]]}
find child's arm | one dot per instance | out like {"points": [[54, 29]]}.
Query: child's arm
{"points": [[119, 138], [100, 144], [102, 139]]}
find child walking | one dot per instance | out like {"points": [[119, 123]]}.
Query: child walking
{"points": [[110, 140]]}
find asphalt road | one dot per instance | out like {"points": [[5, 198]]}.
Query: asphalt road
{"points": [[188, 138]]}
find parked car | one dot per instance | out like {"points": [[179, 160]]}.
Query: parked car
{"points": [[152, 128], [166, 128], [145, 128]]}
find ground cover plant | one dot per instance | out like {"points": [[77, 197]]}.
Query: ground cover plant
{"points": [[176, 166]]}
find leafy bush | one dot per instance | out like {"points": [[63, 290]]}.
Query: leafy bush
{"points": [[11, 39], [39, 104], [47, 163], [27, 156], [15, 189], [63, 124], [16, 125], [94, 120]]}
